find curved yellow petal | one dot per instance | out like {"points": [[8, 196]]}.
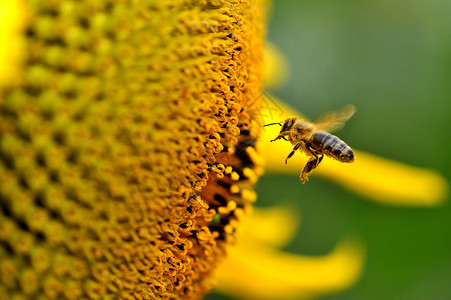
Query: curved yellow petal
{"points": [[276, 226], [275, 66], [11, 41], [256, 271], [388, 181], [376, 178]]}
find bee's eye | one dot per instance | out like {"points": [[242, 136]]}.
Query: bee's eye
{"points": [[286, 126]]}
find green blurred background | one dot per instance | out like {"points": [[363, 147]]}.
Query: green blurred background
{"points": [[392, 60]]}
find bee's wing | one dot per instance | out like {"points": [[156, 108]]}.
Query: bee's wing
{"points": [[334, 120]]}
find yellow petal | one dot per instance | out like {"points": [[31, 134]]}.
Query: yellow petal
{"points": [[256, 271], [275, 226], [275, 66], [388, 181], [11, 42], [376, 178]]}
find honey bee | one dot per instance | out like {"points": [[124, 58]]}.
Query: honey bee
{"points": [[314, 139]]}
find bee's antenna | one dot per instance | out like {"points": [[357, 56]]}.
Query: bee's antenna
{"points": [[272, 124]]}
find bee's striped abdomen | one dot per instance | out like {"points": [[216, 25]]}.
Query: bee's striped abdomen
{"points": [[332, 146]]}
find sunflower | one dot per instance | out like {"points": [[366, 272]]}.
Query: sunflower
{"points": [[129, 147], [127, 144]]}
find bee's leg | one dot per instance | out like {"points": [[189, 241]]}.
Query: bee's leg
{"points": [[293, 151], [280, 136], [310, 166]]}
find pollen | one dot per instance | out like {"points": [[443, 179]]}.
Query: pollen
{"points": [[235, 176], [124, 146]]}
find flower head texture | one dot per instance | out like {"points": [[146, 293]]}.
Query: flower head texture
{"points": [[127, 145]]}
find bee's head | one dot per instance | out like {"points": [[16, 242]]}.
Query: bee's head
{"points": [[288, 124]]}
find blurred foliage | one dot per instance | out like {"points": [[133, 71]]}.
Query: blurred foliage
{"points": [[392, 60]]}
